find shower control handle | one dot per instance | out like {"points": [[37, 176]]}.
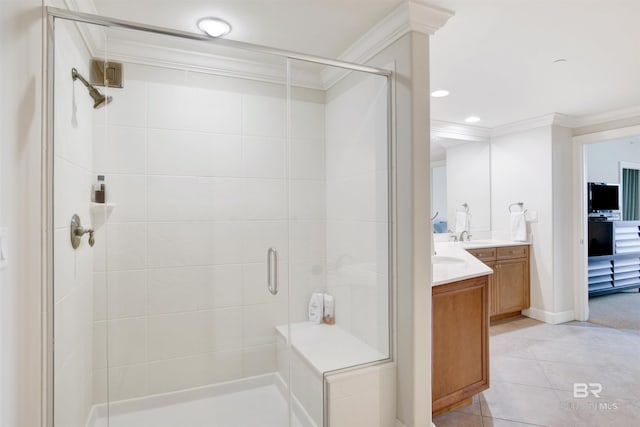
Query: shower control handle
{"points": [[77, 231], [272, 271]]}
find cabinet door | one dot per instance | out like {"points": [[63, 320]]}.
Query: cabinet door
{"points": [[493, 289], [512, 283]]}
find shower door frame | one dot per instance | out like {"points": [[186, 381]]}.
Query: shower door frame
{"points": [[51, 13]]}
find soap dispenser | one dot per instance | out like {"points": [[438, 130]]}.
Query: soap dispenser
{"points": [[99, 190]]}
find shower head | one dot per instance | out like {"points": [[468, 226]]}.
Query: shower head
{"points": [[99, 99]]}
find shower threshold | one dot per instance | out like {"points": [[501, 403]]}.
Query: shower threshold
{"points": [[252, 402]]}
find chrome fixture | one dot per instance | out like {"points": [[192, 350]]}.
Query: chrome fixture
{"points": [[272, 271], [105, 73], [77, 231], [98, 98], [461, 237]]}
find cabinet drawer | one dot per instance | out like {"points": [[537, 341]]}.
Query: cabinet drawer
{"points": [[509, 252], [483, 254]]}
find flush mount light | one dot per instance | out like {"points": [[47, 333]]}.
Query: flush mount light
{"points": [[440, 93], [472, 119], [215, 27]]}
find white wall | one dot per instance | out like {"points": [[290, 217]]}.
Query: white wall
{"points": [[196, 166], [357, 208], [563, 223], [603, 159], [73, 272], [439, 191], [20, 208], [469, 181], [521, 171]]}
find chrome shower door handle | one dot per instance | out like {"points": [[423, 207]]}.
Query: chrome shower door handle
{"points": [[272, 271]]}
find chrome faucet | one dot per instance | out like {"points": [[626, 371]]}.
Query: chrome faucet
{"points": [[461, 237]]}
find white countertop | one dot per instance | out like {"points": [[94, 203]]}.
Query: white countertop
{"points": [[469, 266], [329, 347]]}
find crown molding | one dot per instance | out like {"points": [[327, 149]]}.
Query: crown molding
{"points": [[553, 119], [608, 116], [448, 130], [411, 15], [426, 18]]}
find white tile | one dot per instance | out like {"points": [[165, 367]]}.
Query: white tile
{"points": [[119, 150], [259, 360], [129, 106], [307, 200], [194, 109], [126, 246], [126, 293], [179, 198], [193, 288], [265, 199], [263, 157], [99, 306], [228, 202], [99, 345], [222, 329], [308, 242], [227, 242], [259, 236], [263, 116], [127, 382], [129, 193], [307, 119], [308, 159], [254, 284], [173, 152], [127, 341], [259, 322], [179, 244], [175, 335]]}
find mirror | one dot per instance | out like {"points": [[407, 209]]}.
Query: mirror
{"points": [[460, 173]]}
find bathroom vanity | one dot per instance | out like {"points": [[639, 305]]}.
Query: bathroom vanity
{"points": [[509, 286], [460, 346]]}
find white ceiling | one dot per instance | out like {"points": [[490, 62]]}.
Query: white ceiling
{"points": [[495, 56]]}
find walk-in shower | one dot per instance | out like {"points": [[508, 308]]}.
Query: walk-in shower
{"points": [[239, 181]]}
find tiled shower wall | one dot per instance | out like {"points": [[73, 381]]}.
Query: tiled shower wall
{"points": [[196, 166]]}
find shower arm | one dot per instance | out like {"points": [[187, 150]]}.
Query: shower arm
{"points": [[75, 75]]}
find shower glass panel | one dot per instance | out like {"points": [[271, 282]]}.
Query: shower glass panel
{"points": [[238, 185], [339, 226]]}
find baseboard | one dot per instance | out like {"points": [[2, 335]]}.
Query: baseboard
{"points": [[550, 317]]}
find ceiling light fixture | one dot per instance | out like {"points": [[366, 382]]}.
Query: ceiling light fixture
{"points": [[440, 93], [472, 119], [214, 27]]}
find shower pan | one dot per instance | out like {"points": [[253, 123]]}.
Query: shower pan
{"points": [[239, 181]]}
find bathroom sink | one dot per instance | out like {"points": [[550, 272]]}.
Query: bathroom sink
{"points": [[470, 243], [443, 259]]}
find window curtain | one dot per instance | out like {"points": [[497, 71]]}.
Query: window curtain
{"points": [[630, 195]]}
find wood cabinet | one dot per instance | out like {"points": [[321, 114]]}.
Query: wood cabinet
{"points": [[460, 352], [509, 286]]}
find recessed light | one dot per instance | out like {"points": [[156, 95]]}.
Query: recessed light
{"points": [[472, 119], [440, 93], [215, 27]]}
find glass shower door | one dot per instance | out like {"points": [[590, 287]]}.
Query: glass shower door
{"points": [[175, 321]]}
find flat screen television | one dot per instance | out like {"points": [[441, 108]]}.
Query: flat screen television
{"points": [[603, 197]]}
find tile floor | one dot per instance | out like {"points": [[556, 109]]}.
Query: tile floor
{"points": [[534, 366]]}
